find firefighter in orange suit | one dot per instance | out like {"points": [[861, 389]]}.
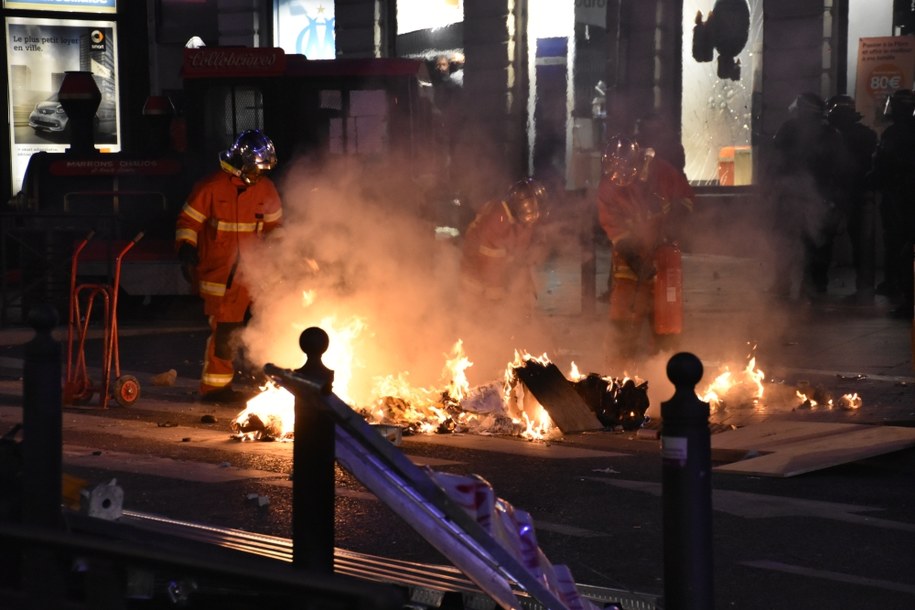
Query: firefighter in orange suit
{"points": [[225, 214], [641, 200], [493, 262]]}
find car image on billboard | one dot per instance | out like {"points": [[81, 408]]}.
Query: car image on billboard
{"points": [[49, 116]]}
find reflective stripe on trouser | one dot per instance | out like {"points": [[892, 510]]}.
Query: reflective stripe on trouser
{"points": [[218, 367]]}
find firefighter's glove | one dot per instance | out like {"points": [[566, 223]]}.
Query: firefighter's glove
{"points": [[641, 265], [187, 255]]}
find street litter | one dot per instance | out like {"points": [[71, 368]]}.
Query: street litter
{"points": [[165, 379], [258, 499], [104, 501]]}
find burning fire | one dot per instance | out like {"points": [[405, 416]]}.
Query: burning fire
{"points": [[849, 402], [746, 389], [505, 406], [269, 414], [399, 402], [743, 388]]}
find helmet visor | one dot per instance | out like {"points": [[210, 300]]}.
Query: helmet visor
{"points": [[620, 171], [620, 161], [528, 211]]}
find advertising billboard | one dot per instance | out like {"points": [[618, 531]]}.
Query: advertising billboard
{"points": [[305, 27], [885, 64], [39, 52], [82, 6]]}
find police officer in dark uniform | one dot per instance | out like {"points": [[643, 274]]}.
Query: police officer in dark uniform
{"points": [[894, 173], [805, 166], [855, 190]]}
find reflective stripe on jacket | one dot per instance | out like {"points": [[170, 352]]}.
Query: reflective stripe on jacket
{"points": [[222, 218]]}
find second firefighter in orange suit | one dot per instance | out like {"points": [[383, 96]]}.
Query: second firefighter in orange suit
{"points": [[225, 214], [641, 200], [494, 261]]}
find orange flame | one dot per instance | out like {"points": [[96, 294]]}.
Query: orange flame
{"points": [[574, 373], [455, 366], [274, 407], [745, 387], [523, 408]]}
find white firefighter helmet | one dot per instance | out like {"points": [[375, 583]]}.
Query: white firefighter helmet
{"points": [[249, 157], [525, 199], [621, 161]]}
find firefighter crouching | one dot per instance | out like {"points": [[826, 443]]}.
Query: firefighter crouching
{"points": [[494, 261], [641, 200], [225, 214]]}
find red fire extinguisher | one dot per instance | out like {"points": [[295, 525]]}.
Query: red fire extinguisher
{"points": [[668, 290]]}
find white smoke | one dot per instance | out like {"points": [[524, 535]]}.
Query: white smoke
{"points": [[351, 251]]}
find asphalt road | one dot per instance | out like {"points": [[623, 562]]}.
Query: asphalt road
{"points": [[827, 539]]}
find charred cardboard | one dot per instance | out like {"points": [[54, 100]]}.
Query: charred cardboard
{"points": [[558, 396]]}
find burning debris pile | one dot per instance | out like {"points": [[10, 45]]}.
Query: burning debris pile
{"points": [[747, 389], [620, 403], [268, 416], [534, 401]]}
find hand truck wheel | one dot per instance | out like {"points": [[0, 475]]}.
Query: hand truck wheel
{"points": [[126, 390]]}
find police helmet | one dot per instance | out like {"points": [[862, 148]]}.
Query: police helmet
{"points": [[808, 104], [899, 105], [840, 109]]}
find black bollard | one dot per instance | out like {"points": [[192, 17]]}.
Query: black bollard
{"points": [[313, 460], [42, 436], [42, 456], [686, 457]]}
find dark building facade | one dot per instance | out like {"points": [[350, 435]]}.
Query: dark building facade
{"points": [[636, 55]]}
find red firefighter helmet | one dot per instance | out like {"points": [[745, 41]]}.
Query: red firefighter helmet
{"points": [[621, 161], [525, 198], [249, 157]]}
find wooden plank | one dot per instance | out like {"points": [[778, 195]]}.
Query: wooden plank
{"points": [[786, 449], [771, 433], [557, 395]]}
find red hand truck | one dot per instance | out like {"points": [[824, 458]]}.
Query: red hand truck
{"points": [[79, 388]]}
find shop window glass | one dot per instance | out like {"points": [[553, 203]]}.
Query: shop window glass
{"points": [[717, 111]]}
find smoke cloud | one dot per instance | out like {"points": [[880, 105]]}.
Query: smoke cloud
{"points": [[358, 257], [370, 266]]}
